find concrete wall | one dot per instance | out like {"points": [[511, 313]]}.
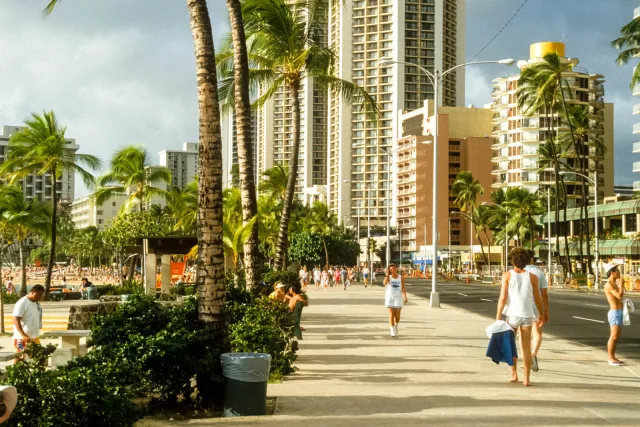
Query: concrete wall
{"points": [[81, 316]]}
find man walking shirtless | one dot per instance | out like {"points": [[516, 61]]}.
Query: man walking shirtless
{"points": [[614, 290]]}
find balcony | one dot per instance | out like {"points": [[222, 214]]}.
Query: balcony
{"points": [[636, 109], [636, 185], [636, 166], [636, 90], [636, 128], [636, 12], [636, 147]]}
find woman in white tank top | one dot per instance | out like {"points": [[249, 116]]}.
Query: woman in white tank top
{"points": [[520, 295], [394, 298]]}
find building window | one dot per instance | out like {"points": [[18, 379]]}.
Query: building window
{"points": [[99, 212], [113, 204]]}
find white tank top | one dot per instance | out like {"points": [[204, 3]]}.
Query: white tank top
{"points": [[395, 286], [520, 302]]}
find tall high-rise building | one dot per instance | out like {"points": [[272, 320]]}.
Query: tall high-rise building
{"points": [[230, 147], [519, 135], [636, 110], [182, 164], [274, 131], [37, 186], [428, 33]]}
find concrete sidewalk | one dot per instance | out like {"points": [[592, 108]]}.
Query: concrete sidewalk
{"points": [[435, 373]]}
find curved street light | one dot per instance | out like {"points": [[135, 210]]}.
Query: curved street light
{"points": [[436, 79]]}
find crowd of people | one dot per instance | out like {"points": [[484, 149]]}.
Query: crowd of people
{"points": [[335, 276]]}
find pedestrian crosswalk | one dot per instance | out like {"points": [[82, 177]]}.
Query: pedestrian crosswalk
{"points": [[50, 322]]}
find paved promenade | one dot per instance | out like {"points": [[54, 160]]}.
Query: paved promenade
{"points": [[435, 373]]}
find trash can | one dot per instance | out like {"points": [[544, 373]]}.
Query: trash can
{"points": [[92, 292], [245, 383]]}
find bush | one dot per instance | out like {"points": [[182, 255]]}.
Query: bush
{"points": [[129, 287], [10, 298], [261, 325], [72, 395], [161, 349], [183, 290], [288, 278]]}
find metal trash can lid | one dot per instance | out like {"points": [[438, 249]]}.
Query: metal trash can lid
{"points": [[247, 367]]}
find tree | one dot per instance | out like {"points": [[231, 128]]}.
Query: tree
{"points": [[275, 183], [523, 207], [322, 221], [183, 207], [210, 273], [131, 173], [41, 148], [307, 248], [234, 236], [244, 141], [286, 45], [466, 190], [629, 43], [23, 218]]}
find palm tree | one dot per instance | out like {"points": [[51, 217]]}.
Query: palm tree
{"points": [[131, 173], [24, 218], [321, 220], [523, 207], [286, 45], [244, 142], [629, 43], [210, 273], [41, 148], [275, 183], [268, 224], [183, 207], [466, 190], [550, 157], [234, 236], [482, 221], [579, 119]]}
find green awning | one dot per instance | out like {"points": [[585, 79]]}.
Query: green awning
{"points": [[609, 209], [607, 247]]}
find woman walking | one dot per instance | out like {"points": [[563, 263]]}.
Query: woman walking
{"points": [[325, 279], [521, 297], [395, 297]]}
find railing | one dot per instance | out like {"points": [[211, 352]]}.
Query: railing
{"points": [[636, 12], [636, 185], [636, 166], [636, 109], [636, 147], [636, 128]]}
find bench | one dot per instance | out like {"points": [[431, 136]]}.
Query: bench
{"points": [[69, 339]]}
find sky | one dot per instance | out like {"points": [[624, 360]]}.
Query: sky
{"points": [[121, 72]]}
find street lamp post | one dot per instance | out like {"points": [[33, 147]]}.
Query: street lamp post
{"points": [[593, 181], [436, 78], [388, 251]]}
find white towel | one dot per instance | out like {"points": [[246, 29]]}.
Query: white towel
{"points": [[498, 326], [627, 309]]}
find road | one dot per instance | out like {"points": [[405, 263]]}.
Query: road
{"points": [[574, 316]]}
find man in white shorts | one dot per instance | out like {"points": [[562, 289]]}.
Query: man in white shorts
{"points": [[543, 285]]}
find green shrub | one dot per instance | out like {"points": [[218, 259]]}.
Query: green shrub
{"points": [[183, 290], [261, 325], [161, 349], [10, 298], [72, 395], [129, 287]]}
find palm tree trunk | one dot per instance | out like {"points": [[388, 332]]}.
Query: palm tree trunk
{"points": [[283, 232], [486, 235], [23, 270], [54, 221], [210, 272], [326, 253], [565, 228], [243, 133]]}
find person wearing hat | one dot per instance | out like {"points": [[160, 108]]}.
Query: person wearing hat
{"points": [[614, 290], [395, 297], [278, 294]]}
